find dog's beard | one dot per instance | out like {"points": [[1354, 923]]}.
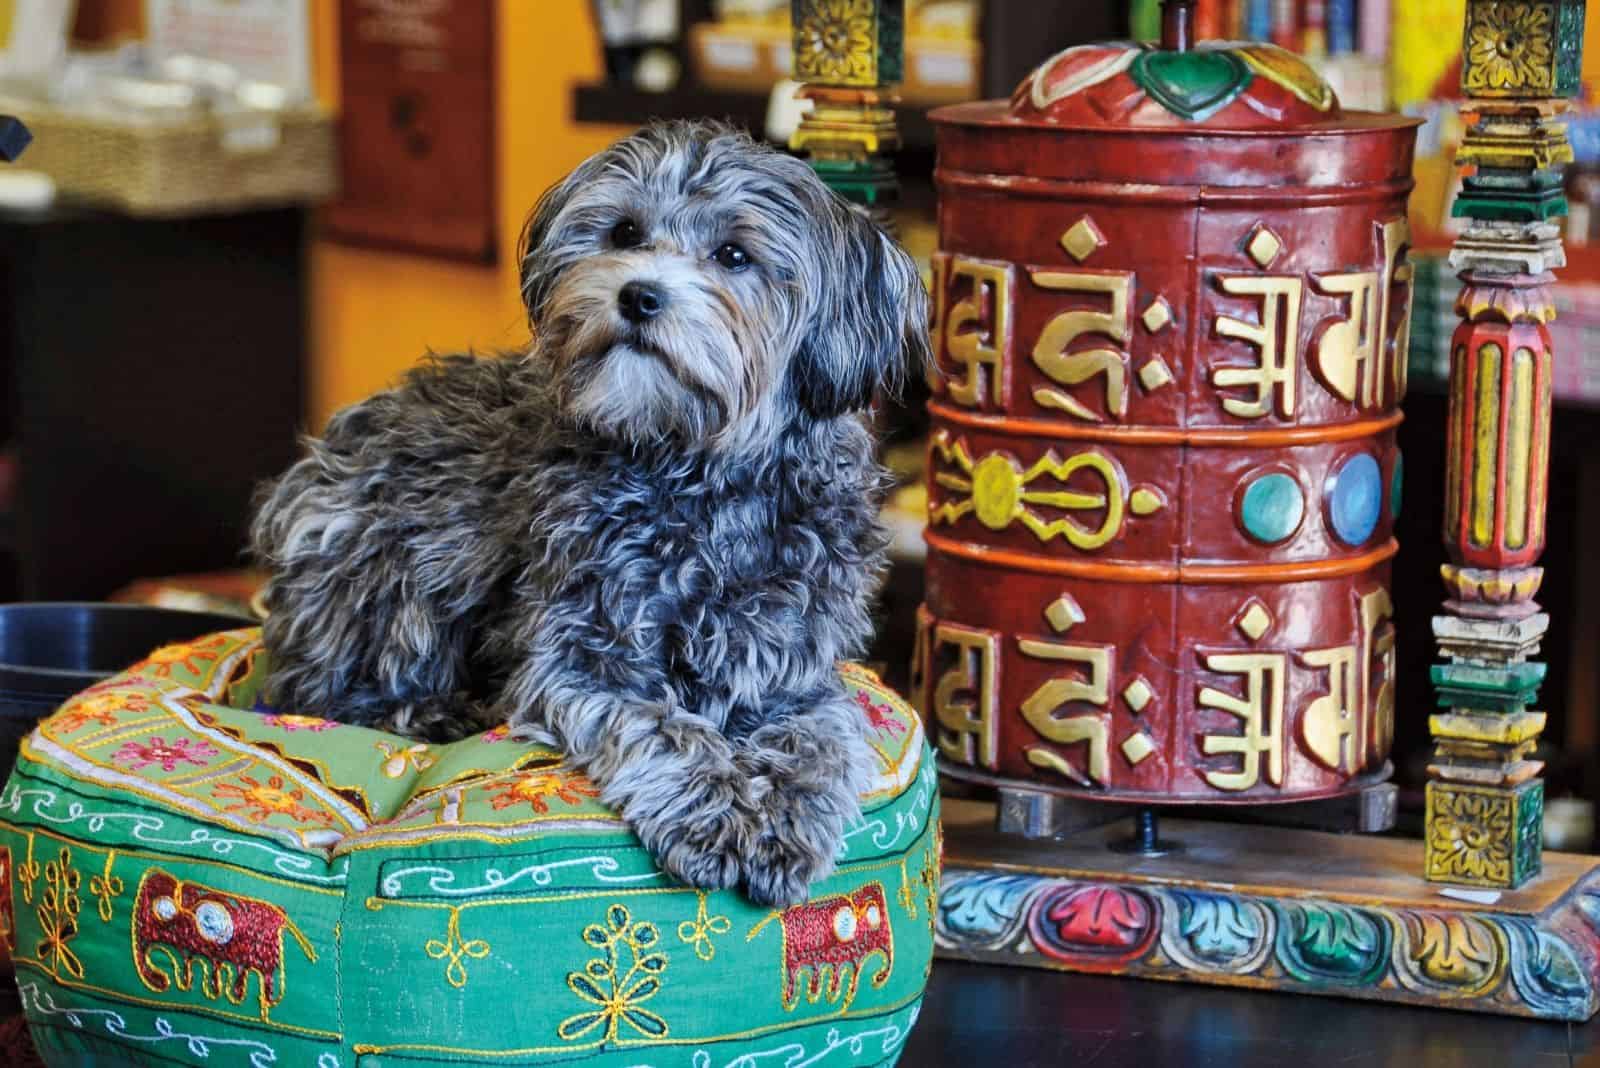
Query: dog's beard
{"points": [[679, 377], [631, 391]]}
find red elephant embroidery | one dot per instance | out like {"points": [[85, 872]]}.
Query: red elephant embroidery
{"points": [[826, 938], [180, 927], [8, 917]]}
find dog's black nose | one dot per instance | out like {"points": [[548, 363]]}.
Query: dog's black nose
{"points": [[641, 301]]}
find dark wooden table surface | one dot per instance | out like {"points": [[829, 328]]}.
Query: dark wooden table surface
{"points": [[981, 1016]]}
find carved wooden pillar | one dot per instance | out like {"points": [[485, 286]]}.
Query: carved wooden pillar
{"points": [[1485, 799], [850, 58]]}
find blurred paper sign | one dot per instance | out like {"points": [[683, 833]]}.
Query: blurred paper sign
{"points": [[263, 40], [417, 131]]}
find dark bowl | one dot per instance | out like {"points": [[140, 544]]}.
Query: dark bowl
{"points": [[50, 651]]}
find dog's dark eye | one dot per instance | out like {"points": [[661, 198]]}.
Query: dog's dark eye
{"points": [[626, 234], [732, 257]]}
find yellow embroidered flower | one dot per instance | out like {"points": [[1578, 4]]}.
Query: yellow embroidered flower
{"points": [[259, 801], [101, 709], [397, 760], [616, 994], [185, 655], [1509, 46], [58, 916], [538, 787]]}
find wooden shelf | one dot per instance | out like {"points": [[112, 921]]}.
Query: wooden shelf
{"points": [[627, 106]]}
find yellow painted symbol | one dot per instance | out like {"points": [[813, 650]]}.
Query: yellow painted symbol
{"points": [[1083, 239], [1255, 620], [1136, 747], [1276, 338], [1155, 374], [1158, 316], [1060, 333], [1263, 246], [1331, 723], [996, 490], [1064, 613], [1261, 709], [966, 698], [976, 331]]}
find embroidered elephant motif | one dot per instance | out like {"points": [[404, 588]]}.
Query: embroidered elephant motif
{"points": [[181, 927], [8, 918], [828, 938]]}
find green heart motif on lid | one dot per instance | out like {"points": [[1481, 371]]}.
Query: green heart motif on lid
{"points": [[1194, 85]]}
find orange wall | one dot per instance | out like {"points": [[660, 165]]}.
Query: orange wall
{"points": [[374, 313]]}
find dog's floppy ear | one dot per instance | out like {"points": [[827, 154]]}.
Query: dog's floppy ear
{"points": [[538, 269], [869, 319]]}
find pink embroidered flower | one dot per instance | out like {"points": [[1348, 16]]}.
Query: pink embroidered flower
{"points": [[497, 734], [881, 717], [156, 750], [290, 722]]}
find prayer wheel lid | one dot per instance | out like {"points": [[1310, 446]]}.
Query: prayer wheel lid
{"points": [[1185, 86]]}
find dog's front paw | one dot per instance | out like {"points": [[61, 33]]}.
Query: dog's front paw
{"points": [[701, 837], [785, 861]]}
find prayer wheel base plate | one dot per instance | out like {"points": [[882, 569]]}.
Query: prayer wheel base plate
{"points": [[1303, 912]]}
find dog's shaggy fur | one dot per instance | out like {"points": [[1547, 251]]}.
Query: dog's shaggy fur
{"points": [[649, 540]]}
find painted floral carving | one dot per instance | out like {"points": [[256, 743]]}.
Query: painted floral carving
{"points": [[259, 801], [157, 750], [1510, 46], [833, 41], [538, 788], [1469, 836]]}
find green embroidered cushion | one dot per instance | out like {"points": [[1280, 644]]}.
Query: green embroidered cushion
{"points": [[189, 878]]}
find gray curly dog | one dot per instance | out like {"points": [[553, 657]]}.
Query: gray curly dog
{"points": [[650, 539]]}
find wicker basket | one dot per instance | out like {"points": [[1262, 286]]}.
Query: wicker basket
{"points": [[183, 166]]}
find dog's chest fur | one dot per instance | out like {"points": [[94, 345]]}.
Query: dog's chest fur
{"points": [[717, 579]]}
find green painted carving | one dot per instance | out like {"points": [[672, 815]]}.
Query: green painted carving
{"points": [[1321, 942], [1527, 854], [1193, 85]]}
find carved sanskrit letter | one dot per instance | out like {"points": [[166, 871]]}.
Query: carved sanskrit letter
{"points": [[1397, 270], [1041, 706], [1332, 723], [1377, 643], [1263, 700], [968, 726], [1069, 369], [976, 331], [1347, 353], [1277, 338], [1353, 355]]}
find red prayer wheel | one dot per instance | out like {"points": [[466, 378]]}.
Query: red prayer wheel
{"points": [[1172, 301]]}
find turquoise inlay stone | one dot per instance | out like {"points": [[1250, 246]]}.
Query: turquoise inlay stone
{"points": [[1355, 499], [1397, 485], [1192, 85], [1272, 507]]}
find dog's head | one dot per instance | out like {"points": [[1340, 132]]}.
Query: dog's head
{"points": [[691, 284]]}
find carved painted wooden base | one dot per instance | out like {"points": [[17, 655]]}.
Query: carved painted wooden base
{"points": [[1317, 914]]}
